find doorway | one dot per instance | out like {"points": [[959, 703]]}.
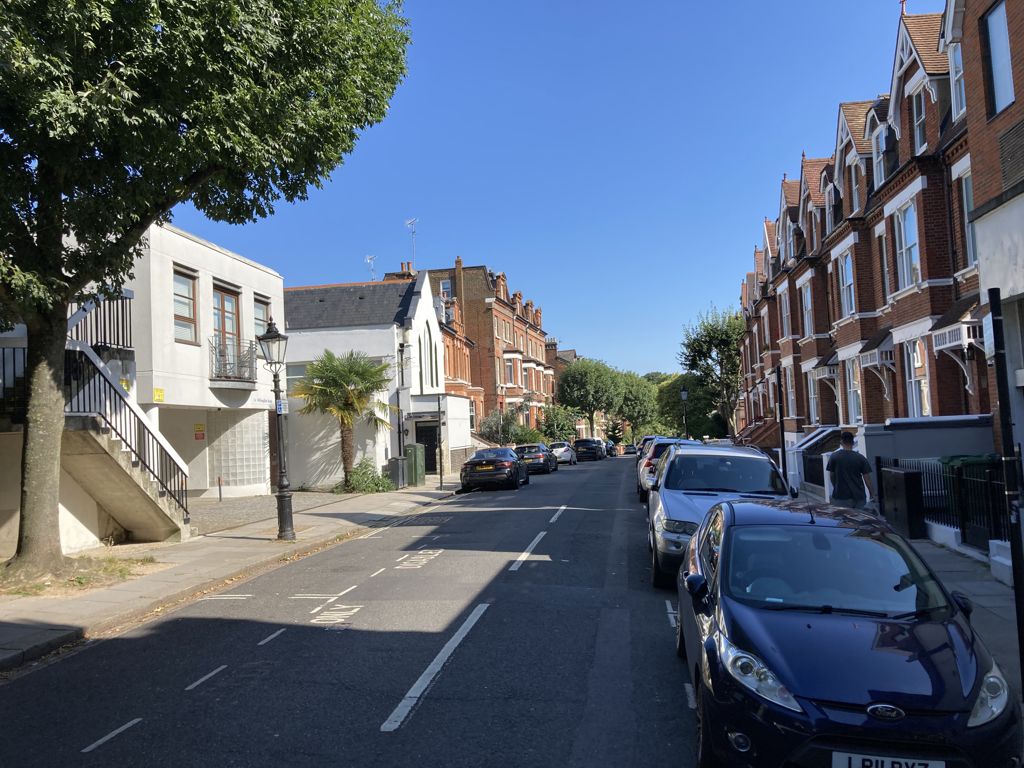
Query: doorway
{"points": [[426, 433]]}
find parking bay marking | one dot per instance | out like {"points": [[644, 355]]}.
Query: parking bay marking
{"points": [[112, 734], [418, 559], [266, 640], [419, 688], [336, 617], [671, 613], [206, 677], [527, 552]]}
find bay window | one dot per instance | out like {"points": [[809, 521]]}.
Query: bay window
{"points": [[847, 294], [853, 409], [908, 258], [915, 370]]}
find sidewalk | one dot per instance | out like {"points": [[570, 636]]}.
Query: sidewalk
{"points": [[31, 627]]}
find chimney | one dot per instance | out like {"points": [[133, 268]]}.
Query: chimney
{"points": [[459, 283]]}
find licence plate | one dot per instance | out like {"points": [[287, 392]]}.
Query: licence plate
{"points": [[852, 760], [531, 461], [485, 466]]}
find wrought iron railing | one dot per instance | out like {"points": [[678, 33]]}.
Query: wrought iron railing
{"points": [[813, 468], [102, 323], [232, 360], [13, 386]]}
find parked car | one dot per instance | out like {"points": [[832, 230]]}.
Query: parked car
{"points": [[644, 442], [610, 448], [564, 452], [588, 448], [688, 481], [494, 466], [645, 465], [538, 458], [816, 636], [630, 448]]}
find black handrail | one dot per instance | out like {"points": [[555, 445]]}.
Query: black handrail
{"points": [[13, 385], [106, 323]]}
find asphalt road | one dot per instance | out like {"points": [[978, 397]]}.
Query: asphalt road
{"points": [[499, 628]]}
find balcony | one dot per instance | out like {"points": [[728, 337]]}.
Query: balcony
{"points": [[960, 336], [232, 364]]}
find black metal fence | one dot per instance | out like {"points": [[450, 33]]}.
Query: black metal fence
{"points": [[106, 324], [814, 469], [13, 385], [967, 496], [233, 360]]}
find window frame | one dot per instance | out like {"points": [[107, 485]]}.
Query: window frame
{"points": [[916, 399], [807, 300], [787, 327], [883, 259], [957, 87], [193, 321], [853, 386], [878, 155], [919, 126], [967, 200], [995, 106], [854, 189], [847, 303], [445, 293], [905, 263], [812, 399], [830, 222], [790, 391]]}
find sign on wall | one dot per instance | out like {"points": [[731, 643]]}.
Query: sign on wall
{"points": [[200, 431], [158, 394]]}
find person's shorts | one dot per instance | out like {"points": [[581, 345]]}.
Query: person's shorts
{"points": [[848, 503]]}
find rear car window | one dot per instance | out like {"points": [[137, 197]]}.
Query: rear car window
{"points": [[491, 454]]}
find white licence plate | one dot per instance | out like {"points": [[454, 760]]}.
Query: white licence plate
{"points": [[852, 760]]}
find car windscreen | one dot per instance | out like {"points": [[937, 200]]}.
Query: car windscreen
{"points": [[658, 449], [527, 449], [490, 454], [794, 567], [586, 443], [559, 445], [723, 474]]}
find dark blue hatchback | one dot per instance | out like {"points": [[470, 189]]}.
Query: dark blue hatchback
{"points": [[817, 638]]}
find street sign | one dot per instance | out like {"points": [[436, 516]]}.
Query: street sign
{"points": [[987, 333], [200, 431], [282, 407]]}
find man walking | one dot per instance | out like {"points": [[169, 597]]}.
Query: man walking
{"points": [[850, 473]]}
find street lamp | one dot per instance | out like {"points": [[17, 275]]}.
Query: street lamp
{"points": [[683, 395], [273, 344]]}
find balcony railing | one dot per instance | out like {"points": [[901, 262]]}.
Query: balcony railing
{"points": [[960, 336], [232, 360], [102, 323]]}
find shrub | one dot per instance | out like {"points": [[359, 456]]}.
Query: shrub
{"points": [[366, 479]]}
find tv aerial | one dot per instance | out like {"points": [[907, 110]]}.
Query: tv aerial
{"points": [[373, 272], [411, 225]]}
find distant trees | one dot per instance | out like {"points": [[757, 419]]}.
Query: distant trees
{"points": [[639, 399], [559, 422], [591, 386], [702, 417], [710, 351]]}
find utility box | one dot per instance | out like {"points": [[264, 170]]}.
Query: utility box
{"points": [[904, 502], [415, 464], [396, 471]]}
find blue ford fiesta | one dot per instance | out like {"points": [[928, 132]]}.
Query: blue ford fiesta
{"points": [[817, 638]]}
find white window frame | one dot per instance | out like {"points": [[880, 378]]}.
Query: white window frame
{"points": [[919, 128], [790, 393], [789, 241], [807, 298], [784, 314], [829, 209], [446, 289], [847, 289], [854, 190], [967, 198], [853, 376], [885, 263], [908, 254], [915, 355], [999, 63], [956, 80], [878, 155], [812, 399]]}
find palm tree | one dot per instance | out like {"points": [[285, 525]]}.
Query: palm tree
{"points": [[346, 388]]}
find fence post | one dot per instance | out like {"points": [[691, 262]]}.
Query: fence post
{"points": [[958, 499]]}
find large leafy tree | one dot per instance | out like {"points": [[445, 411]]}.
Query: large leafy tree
{"points": [[639, 399], [347, 388], [711, 351], [113, 112], [559, 422], [701, 415], [590, 386]]}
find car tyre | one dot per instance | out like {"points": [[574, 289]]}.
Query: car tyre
{"points": [[512, 484], [659, 579], [705, 757], [526, 477]]}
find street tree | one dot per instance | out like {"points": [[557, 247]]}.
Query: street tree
{"points": [[639, 399], [710, 350], [701, 414], [347, 388], [113, 113], [613, 431], [590, 386], [559, 422], [499, 426]]}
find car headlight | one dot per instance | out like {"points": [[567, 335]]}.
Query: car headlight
{"points": [[992, 699], [751, 672], [679, 526]]}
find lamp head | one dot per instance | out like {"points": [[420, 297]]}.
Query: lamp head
{"points": [[273, 344]]}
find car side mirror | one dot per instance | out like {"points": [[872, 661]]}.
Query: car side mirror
{"points": [[697, 586], [794, 492], [964, 603]]}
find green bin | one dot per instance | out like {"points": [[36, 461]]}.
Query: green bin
{"points": [[415, 464]]}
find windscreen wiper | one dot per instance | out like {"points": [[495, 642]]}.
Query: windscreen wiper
{"points": [[920, 612], [826, 609]]}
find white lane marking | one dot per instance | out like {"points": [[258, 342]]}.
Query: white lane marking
{"points": [[266, 640], [419, 688], [112, 734], [333, 598], [558, 514], [226, 597], [401, 558], [377, 573], [529, 550], [206, 677], [691, 697], [670, 611]]}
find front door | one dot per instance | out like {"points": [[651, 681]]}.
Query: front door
{"points": [[426, 433]]}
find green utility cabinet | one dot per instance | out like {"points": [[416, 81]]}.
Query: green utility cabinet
{"points": [[415, 464]]}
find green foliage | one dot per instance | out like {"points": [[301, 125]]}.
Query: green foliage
{"points": [[639, 399], [656, 377], [590, 386], [613, 431], [522, 434], [700, 407], [346, 388], [710, 350], [365, 478], [559, 422], [499, 425]]}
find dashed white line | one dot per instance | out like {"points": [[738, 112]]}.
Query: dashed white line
{"points": [[401, 558], [529, 550], [226, 597], [691, 698], [266, 640], [419, 688], [558, 514], [670, 611], [377, 573], [333, 598], [206, 677], [111, 735]]}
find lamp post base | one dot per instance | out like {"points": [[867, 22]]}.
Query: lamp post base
{"points": [[285, 531]]}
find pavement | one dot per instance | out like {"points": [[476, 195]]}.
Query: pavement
{"points": [[31, 627]]}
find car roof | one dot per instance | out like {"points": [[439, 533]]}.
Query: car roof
{"points": [[795, 512], [699, 449]]}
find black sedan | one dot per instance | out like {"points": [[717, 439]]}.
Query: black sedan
{"points": [[589, 448], [538, 458], [494, 466], [816, 636]]}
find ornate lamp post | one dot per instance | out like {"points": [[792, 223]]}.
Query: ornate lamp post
{"points": [[273, 344], [683, 395]]}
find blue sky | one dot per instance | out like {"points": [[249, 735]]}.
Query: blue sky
{"points": [[615, 164]]}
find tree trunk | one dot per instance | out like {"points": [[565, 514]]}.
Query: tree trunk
{"points": [[348, 453], [39, 549], [593, 429]]}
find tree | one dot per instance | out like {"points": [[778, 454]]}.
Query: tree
{"points": [[711, 351], [113, 113], [613, 431], [499, 425], [559, 422], [656, 377], [346, 388], [700, 407], [590, 386], [639, 399]]}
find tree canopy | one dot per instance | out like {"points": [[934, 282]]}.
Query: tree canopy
{"points": [[710, 351], [639, 399], [590, 386], [559, 422]]}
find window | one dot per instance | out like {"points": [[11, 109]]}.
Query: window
{"points": [[812, 399], [784, 311], [510, 372], [967, 191], [908, 259], [790, 252], [915, 367], [712, 546], [225, 322], [956, 80], [829, 210], [917, 112], [853, 411], [808, 307], [185, 308], [472, 415], [854, 191], [446, 289], [260, 316], [883, 266], [292, 373], [790, 393], [996, 45], [846, 292], [764, 328], [878, 155]]}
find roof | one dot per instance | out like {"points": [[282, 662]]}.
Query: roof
{"points": [[877, 340], [704, 449], [769, 233], [856, 115], [811, 169], [881, 107], [924, 30], [794, 512], [791, 191], [348, 305], [961, 307]]}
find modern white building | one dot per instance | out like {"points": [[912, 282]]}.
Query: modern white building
{"points": [[394, 322]]}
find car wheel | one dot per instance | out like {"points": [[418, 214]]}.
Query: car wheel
{"points": [[705, 757], [659, 579], [465, 489], [526, 477], [680, 639], [547, 468], [555, 468], [512, 484]]}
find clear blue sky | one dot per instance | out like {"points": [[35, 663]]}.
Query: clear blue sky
{"points": [[614, 159]]}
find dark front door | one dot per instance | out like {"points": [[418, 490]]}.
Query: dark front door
{"points": [[426, 433]]}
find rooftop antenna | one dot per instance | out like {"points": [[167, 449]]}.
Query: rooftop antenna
{"points": [[411, 224], [373, 272]]}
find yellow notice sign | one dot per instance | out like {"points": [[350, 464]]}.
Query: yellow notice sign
{"points": [[158, 394], [200, 431]]}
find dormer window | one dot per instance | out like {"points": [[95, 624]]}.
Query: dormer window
{"points": [[917, 113], [878, 155], [854, 191], [790, 253], [829, 209], [956, 80]]}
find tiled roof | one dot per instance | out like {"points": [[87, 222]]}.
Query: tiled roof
{"points": [[877, 340], [811, 169], [960, 309], [881, 107], [791, 191], [856, 115], [924, 30], [348, 305], [769, 232]]}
